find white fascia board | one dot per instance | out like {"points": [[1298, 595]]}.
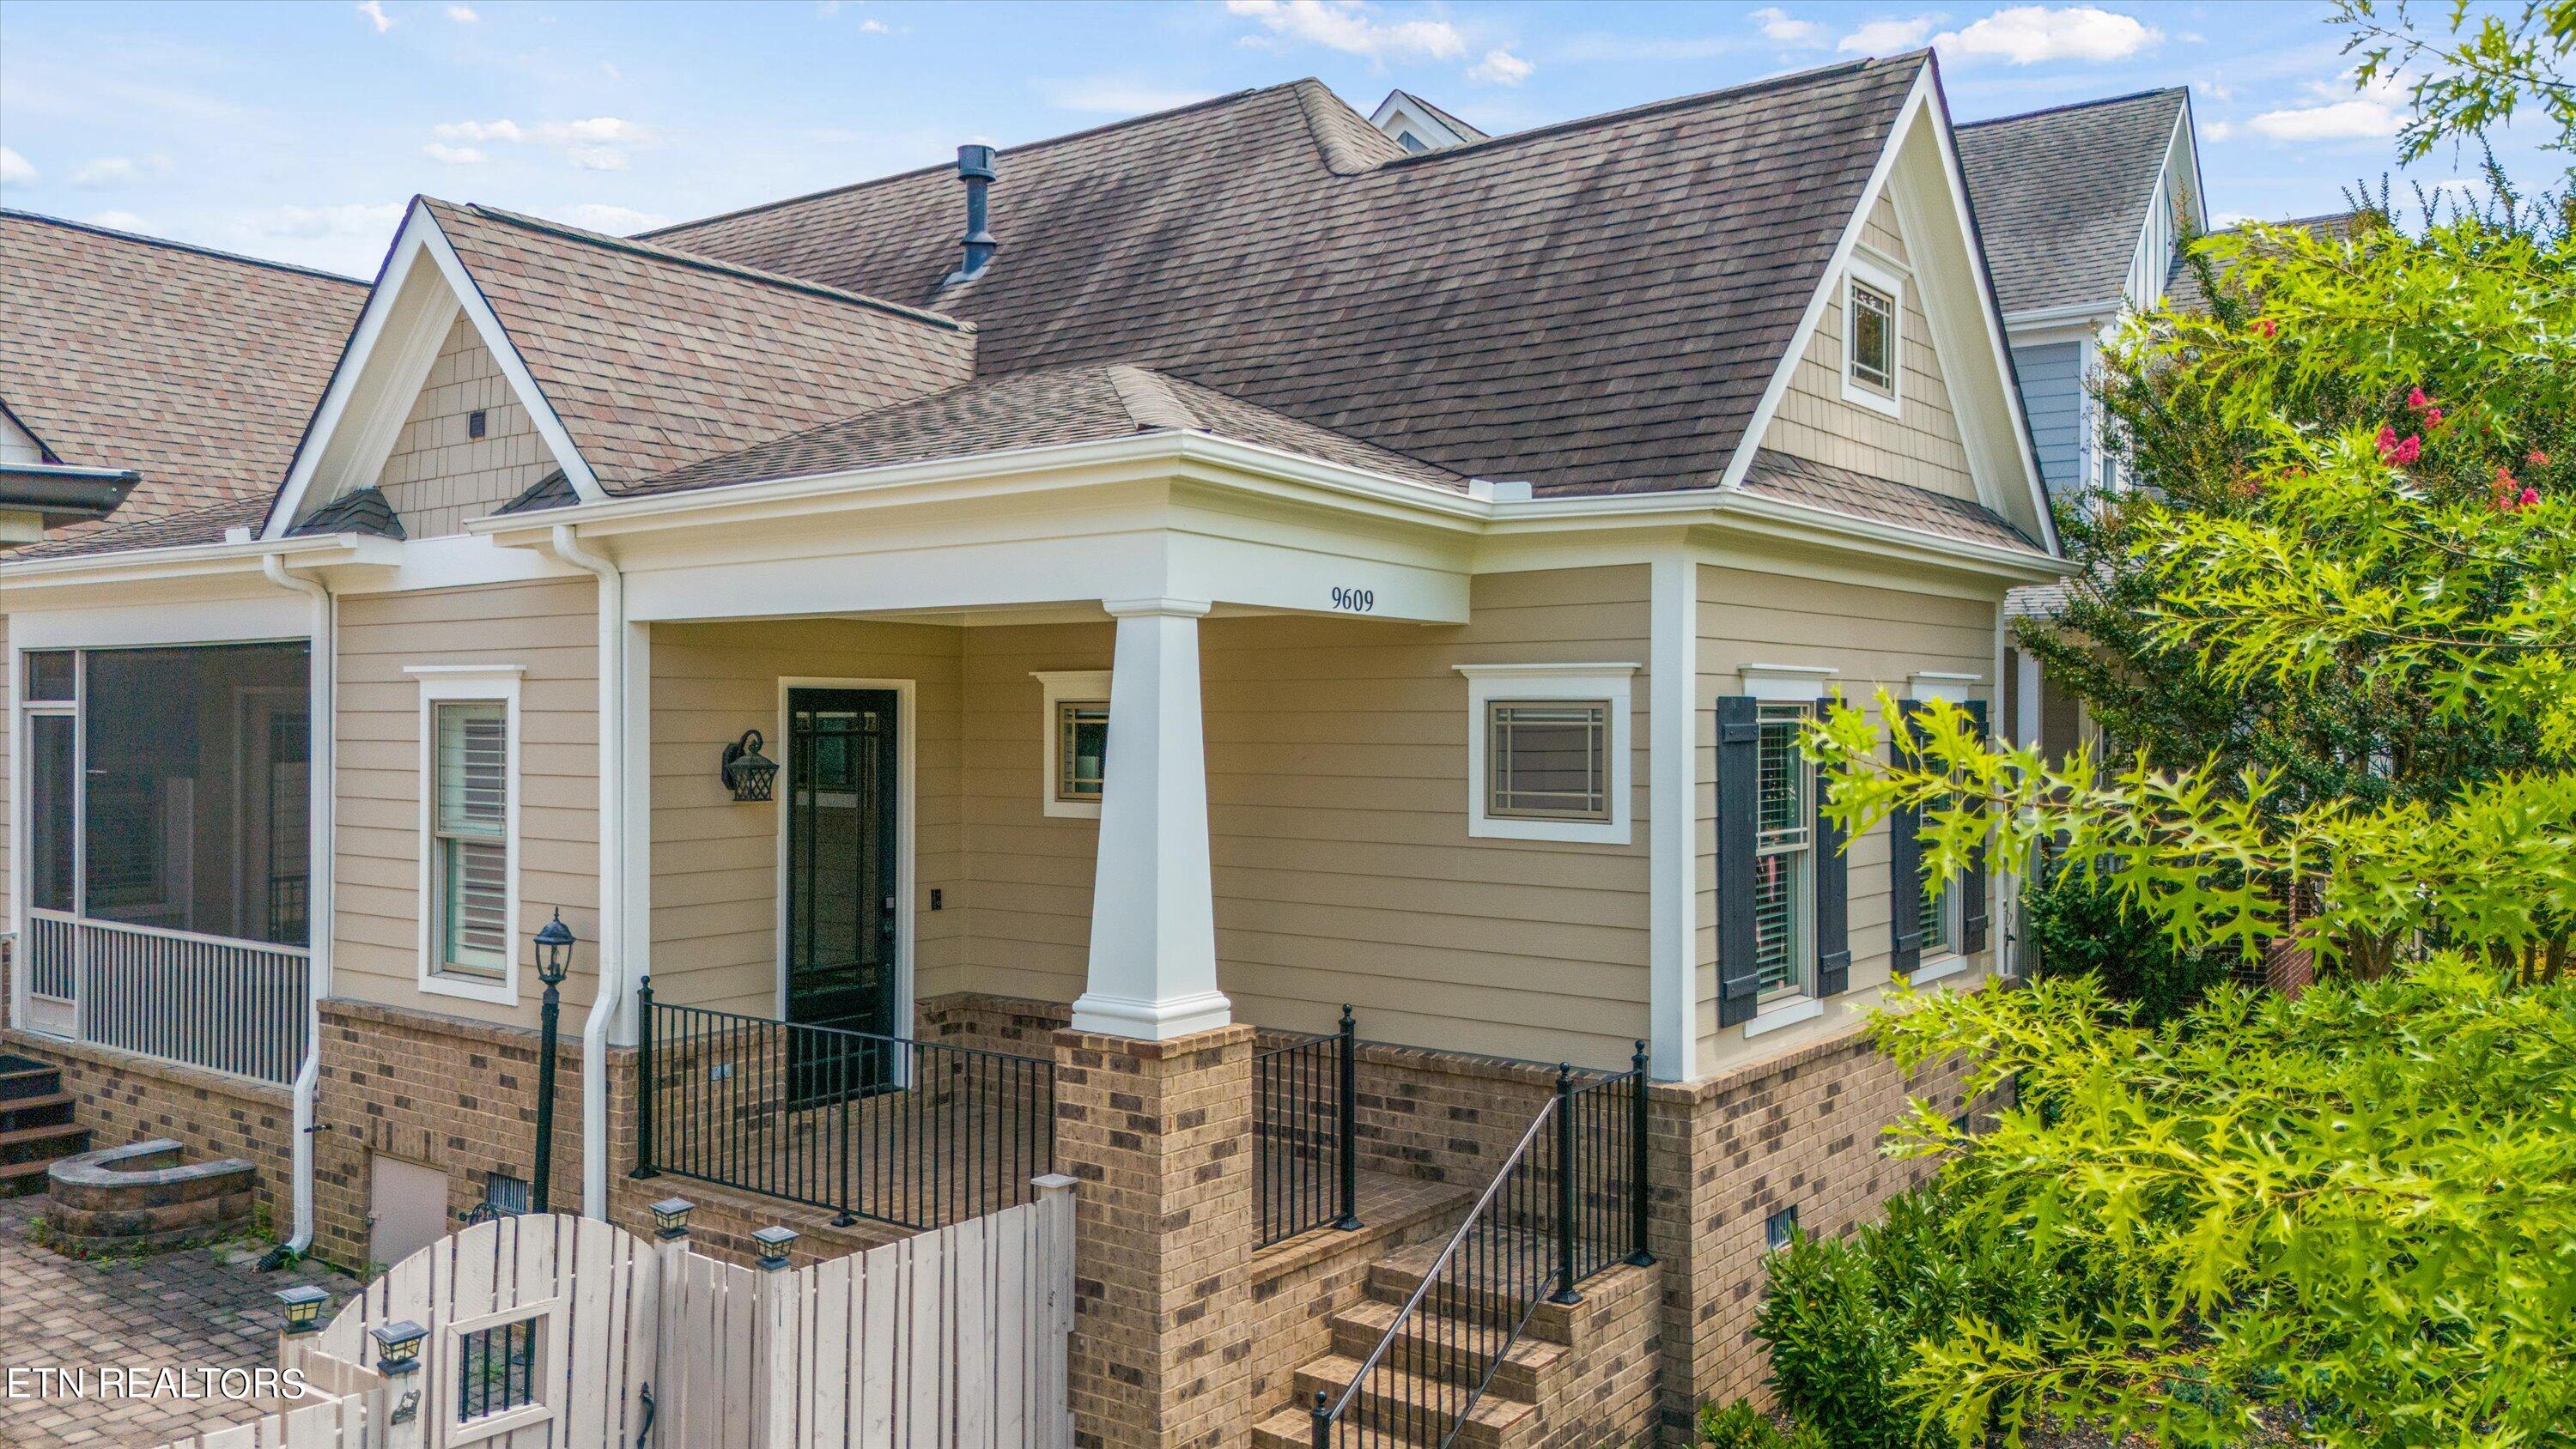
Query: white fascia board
{"points": [[152, 565], [2072, 315], [393, 346]]}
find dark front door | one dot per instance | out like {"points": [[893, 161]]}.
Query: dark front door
{"points": [[842, 887]]}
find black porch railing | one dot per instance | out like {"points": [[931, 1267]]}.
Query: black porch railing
{"points": [[898, 1131], [1306, 1160], [1569, 1201]]}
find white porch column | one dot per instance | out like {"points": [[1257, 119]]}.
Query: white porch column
{"points": [[1153, 924]]}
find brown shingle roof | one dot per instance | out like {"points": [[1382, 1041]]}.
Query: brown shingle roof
{"points": [[1594, 306], [655, 360], [202, 524], [194, 368], [1040, 408], [1880, 500]]}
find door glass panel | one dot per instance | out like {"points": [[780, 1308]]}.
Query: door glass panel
{"points": [[49, 811], [841, 883]]}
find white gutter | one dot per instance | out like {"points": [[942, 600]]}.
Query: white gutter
{"points": [[613, 984], [321, 850]]}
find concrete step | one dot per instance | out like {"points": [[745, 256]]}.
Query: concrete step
{"points": [[1448, 1348], [42, 1144], [1411, 1406], [50, 1110]]}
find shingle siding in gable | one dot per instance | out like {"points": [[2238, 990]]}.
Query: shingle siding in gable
{"points": [[2052, 393], [438, 476]]}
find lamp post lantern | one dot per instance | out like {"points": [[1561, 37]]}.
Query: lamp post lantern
{"points": [[554, 957]]}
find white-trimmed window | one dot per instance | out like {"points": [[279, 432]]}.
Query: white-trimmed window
{"points": [[1076, 726], [1548, 751], [1873, 334], [469, 722], [1942, 907], [1784, 862], [503, 1371]]}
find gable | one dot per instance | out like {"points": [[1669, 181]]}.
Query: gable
{"points": [[1920, 446], [439, 474]]}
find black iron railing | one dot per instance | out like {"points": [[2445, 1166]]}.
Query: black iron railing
{"points": [[1306, 1095], [899, 1131], [1569, 1201]]}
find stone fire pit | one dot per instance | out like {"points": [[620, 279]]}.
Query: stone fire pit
{"points": [[141, 1196]]}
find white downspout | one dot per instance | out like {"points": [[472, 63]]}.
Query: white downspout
{"points": [[321, 868], [612, 861]]}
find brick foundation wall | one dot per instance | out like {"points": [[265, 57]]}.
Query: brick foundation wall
{"points": [[124, 1098], [1802, 1129], [454, 1095], [1605, 1395], [1011, 1024]]}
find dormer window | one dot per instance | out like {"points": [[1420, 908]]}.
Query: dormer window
{"points": [[1411, 142], [1873, 334]]}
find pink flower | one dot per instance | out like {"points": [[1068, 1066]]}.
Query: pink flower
{"points": [[2432, 419], [2530, 496], [2536, 458], [2415, 399], [2393, 450], [2266, 327], [2387, 440]]}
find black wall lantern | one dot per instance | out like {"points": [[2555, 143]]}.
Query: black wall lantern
{"points": [[746, 771]]}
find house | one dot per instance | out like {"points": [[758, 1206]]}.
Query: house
{"points": [[993, 666], [144, 378]]}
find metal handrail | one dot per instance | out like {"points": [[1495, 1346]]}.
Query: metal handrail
{"points": [[1326, 1417], [1288, 1139]]}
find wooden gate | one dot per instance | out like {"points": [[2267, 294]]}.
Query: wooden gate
{"points": [[557, 1332]]}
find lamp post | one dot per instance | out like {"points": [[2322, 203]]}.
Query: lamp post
{"points": [[554, 957]]}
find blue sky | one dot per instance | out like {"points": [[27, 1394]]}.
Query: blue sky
{"points": [[296, 131]]}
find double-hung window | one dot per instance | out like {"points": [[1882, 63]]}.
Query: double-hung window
{"points": [[1783, 854], [1940, 915], [1873, 333], [1076, 714], [469, 808]]}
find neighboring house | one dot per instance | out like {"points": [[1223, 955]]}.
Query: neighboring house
{"points": [[1417, 125], [1189, 575], [142, 378]]}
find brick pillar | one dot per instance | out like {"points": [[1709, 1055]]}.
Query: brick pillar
{"points": [[1683, 1142], [1159, 1134]]}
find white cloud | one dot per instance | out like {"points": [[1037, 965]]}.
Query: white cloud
{"points": [[462, 14], [1353, 28], [1114, 96], [1879, 37], [2029, 34], [455, 155], [1780, 28], [596, 128], [615, 220], [353, 219], [1502, 68], [596, 158], [2374, 115], [2217, 130], [14, 167], [374, 10], [479, 131], [107, 171], [1599, 46], [117, 221]]}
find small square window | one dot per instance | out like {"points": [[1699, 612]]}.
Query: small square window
{"points": [[1873, 338], [475, 424], [1781, 1228], [1082, 748], [496, 1370], [504, 1194], [1548, 759], [51, 677]]}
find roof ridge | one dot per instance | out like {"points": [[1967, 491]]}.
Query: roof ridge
{"points": [[168, 244], [1752, 87], [711, 264], [2182, 90], [939, 166], [1149, 398], [1340, 157]]}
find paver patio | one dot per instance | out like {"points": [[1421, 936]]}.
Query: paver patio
{"points": [[190, 1310]]}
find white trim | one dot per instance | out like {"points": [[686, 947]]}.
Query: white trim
{"points": [[1056, 688], [455, 683], [1942, 684], [1487, 683], [549, 1382], [1867, 269], [1672, 759], [1948, 963], [906, 836], [1786, 683], [276, 617], [1787, 1011]]}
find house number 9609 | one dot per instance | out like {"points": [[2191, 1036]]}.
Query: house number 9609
{"points": [[1356, 601]]}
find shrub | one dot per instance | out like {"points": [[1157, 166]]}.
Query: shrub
{"points": [[2078, 927], [1741, 1426]]}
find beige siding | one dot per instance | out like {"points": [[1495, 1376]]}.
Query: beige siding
{"points": [[437, 477], [550, 631], [1922, 447], [1337, 758], [1876, 638], [8, 816], [715, 860]]}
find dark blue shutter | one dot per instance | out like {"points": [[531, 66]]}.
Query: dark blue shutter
{"points": [[1833, 895], [1904, 868], [1973, 919], [1739, 788]]}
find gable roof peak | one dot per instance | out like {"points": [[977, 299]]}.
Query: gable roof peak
{"points": [[2155, 93]]}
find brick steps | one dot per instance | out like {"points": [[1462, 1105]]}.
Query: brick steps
{"points": [[1396, 1408], [1436, 1347], [36, 1128]]}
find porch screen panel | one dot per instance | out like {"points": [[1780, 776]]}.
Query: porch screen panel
{"points": [[187, 753], [50, 853], [471, 820]]}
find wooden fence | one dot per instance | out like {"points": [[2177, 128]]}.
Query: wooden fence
{"points": [[569, 1333]]}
